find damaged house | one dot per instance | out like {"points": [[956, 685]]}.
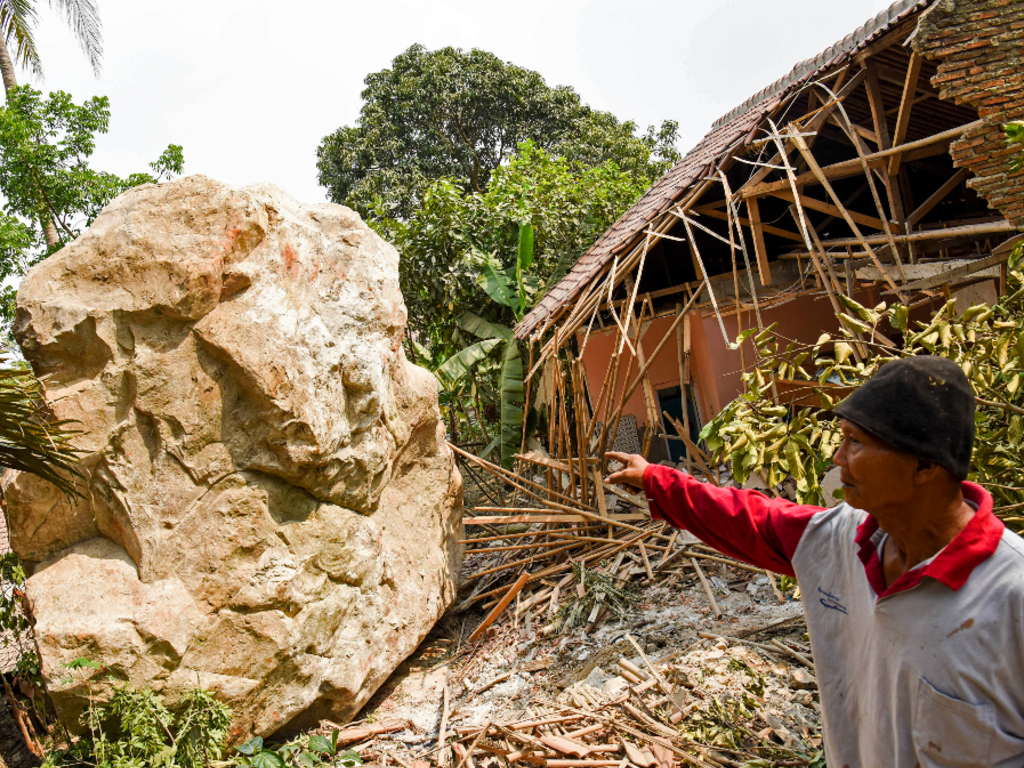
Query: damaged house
{"points": [[878, 169]]}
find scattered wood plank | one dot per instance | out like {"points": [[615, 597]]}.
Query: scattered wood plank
{"points": [[500, 607], [707, 587]]}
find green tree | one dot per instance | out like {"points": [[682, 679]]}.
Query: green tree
{"points": [[568, 206], [460, 115], [17, 28], [45, 144]]}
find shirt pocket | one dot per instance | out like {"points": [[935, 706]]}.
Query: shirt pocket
{"points": [[951, 732]]}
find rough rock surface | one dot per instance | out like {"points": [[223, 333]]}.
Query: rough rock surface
{"points": [[270, 506]]}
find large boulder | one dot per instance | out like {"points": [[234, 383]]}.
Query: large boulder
{"points": [[270, 509]]}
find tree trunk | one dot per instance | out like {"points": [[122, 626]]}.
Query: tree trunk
{"points": [[13, 748], [51, 231], [7, 66]]}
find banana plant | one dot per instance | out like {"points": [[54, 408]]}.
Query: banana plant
{"points": [[515, 288]]}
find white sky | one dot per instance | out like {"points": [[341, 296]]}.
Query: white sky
{"points": [[249, 87]]}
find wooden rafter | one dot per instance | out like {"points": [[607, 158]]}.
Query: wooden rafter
{"points": [[932, 145], [994, 227], [814, 121], [896, 36], [903, 121], [832, 210], [816, 170], [759, 249]]}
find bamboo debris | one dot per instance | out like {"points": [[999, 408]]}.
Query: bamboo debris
{"points": [[574, 522]]}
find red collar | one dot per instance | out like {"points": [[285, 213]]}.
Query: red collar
{"points": [[954, 564]]}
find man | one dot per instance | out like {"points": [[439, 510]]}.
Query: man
{"points": [[913, 589]]}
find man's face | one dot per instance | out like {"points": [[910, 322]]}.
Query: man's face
{"points": [[875, 475]]}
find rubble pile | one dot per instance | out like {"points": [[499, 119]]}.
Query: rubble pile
{"points": [[669, 681]]}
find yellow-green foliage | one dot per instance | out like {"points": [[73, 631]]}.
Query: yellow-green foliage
{"points": [[757, 435]]}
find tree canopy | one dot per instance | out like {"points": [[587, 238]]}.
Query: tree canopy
{"points": [[460, 115], [447, 241]]}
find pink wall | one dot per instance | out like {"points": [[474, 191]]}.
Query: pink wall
{"points": [[803, 319], [664, 372]]}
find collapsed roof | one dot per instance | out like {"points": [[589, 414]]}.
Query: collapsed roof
{"points": [[842, 103]]}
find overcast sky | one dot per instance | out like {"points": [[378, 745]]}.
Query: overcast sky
{"points": [[249, 87]]}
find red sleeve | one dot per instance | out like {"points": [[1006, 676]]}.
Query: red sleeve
{"points": [[741, 523]]}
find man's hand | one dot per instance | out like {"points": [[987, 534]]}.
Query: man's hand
{"points": [[632, 474]]}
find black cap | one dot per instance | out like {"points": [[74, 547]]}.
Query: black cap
{"points": [[923, 405]]}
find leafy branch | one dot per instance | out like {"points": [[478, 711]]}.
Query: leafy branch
{"points": [[764, 434]]}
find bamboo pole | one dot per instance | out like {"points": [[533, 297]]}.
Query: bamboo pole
{"points": [[694, 450], [816, 170], [852, 167], [605, 390], [704, 274], [517, 563], [628, 391], [514, 479], [683, 390], [599, 554]]}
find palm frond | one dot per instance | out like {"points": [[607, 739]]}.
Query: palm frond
{"points": [[83, 16], [29, 441], [17, 25]]}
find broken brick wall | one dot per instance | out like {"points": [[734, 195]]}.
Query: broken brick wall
{"points": [[979, 46]]}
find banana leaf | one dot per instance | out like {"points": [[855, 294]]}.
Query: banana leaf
{"points": [[458, 365], [496, 284], [490, 447], [422, 354], [483, 329], [511, 404], [525, 256]]}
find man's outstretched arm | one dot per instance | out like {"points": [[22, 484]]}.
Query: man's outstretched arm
{"points": [[741, 523]]}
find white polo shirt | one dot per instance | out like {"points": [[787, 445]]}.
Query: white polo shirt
{"points": [[928, 671]]}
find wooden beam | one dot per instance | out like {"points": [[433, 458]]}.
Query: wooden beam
{"points": [[515, 519], [831, 210], [938, 196], [509, 596], [877, 105], [865, 133], [768, 229], [762, 254], [848, 168], [879, 119], [952, 275], [903, 121], [921, 271], [970, 230]]}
